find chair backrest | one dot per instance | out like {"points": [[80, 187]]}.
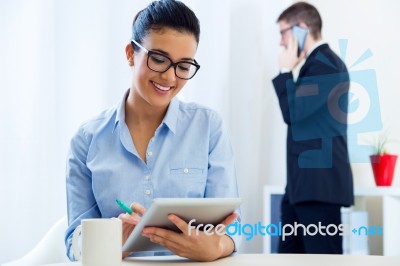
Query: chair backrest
{"points": [[50, 249]]}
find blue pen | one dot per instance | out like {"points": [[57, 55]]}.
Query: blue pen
{"points": [[124, 207]]}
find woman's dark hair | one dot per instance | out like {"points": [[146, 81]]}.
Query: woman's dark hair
{"points": [[303, 12], [165, 13]]}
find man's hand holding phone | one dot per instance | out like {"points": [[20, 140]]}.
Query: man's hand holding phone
{"points": [[288, 58]]}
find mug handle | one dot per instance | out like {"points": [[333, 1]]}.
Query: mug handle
{"points": [[75, 238]]}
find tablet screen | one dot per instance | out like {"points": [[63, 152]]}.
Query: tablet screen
{"points": [[203, 210]]}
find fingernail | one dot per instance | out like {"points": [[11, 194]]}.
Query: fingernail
{"points": [[134, 219]]}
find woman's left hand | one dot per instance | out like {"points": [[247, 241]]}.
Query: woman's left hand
{"points": [[194, 245]]}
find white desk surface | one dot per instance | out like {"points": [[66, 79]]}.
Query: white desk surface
{"points": [[264, 259]]}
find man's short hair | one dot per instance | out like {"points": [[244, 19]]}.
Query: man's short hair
{"points": [[306, 13]]}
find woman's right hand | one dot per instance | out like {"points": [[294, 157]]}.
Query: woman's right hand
{"points": [[129, 221]]}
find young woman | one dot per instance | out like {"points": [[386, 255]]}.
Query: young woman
{"points": [[152, 145]]}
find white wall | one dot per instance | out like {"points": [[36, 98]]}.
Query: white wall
{"points": [[61, 62], [369, 25], [258, 132]]}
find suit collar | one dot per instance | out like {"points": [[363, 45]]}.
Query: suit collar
{"points": [[315, 46], [318, 48]]}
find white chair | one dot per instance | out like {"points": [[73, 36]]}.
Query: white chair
{"points": [[50, 249]]}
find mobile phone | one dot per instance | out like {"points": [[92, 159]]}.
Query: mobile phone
{"points": [[300, 34]]}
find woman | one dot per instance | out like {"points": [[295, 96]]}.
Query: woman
{"points": [[152, 145]]}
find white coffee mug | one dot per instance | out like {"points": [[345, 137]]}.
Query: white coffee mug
{"points": [[101, 242]]}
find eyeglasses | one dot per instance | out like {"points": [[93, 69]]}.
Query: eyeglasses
{"points": [[161, 63], [285, 30]]}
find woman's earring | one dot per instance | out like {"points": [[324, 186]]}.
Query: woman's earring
{"points": [[130, 61]]}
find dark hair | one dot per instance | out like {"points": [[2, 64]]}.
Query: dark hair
{"points": [[165, 13], [303, 12]]}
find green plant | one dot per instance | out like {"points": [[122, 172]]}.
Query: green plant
{"points": [[380, 142]]}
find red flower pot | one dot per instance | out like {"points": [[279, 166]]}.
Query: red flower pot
{"points": [[383, 167]]}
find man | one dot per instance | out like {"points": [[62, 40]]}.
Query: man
{"points": [[319, 178]]}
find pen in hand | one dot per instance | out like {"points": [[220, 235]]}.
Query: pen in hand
{"points": [[124, 207]]}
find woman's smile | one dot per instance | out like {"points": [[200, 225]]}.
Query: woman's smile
{"points": [[162, 89]]}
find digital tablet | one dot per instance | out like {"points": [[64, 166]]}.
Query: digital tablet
{"points": [[204, 210]]}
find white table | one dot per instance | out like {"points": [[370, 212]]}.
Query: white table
{"points": [[264, 259]]}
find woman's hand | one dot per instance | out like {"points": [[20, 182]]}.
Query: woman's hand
{"points": [[191, 244], [129, 221]]}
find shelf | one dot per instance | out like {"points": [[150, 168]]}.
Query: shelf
{"points": [[390, 206], [377, 191], [358, 191]]}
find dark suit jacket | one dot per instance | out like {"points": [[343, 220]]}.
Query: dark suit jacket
{"points": [[315, 110]]}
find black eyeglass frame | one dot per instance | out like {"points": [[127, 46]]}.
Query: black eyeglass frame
{"points": [[149, 53], [285, 30]]}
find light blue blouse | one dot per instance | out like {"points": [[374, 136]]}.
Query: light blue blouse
{"points": [[190, 155]]}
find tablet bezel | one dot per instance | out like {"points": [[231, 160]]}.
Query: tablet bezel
{"points": [[204, 210]]}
